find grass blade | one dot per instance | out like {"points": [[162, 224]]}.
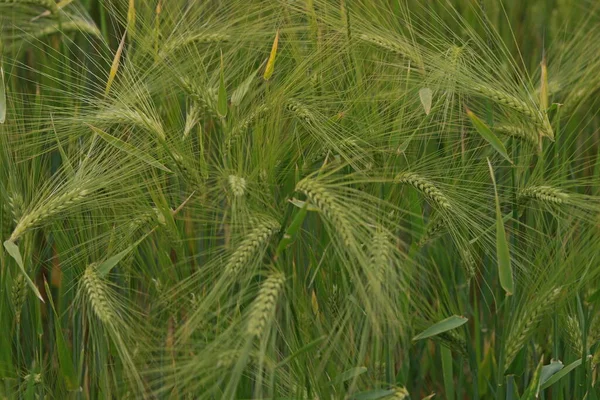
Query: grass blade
{"points": [[448, 373], [222, 99], [129, 149], [560, 374], [65, 360], [426, 96], [2, 96], [442, 326], [502, 250], [13, 251], [488, 135]]}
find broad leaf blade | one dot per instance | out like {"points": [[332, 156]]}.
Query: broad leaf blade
{"points": [[129, 149], [503, 253], [442, 326], [488, 135], [13, 251]]}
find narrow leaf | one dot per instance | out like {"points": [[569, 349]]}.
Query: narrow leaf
{"points": [[238, 94], [292, 230], [106, 266], [502, 251], [488, 135], [350, 374], [65, 360], [426, 95], [442, 326], [372, 394], [2, 96], [271, 62], [129, 149], [222, 99], [13, 251], [512, 392], [561, 374], [448, 373]]}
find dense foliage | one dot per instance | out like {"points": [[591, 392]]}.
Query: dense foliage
{"points": [[311, 199]]}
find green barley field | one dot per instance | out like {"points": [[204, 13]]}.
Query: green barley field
{"points": [[300, 199]]}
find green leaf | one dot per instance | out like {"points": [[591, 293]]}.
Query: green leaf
{"points": [[550, 369], [532, 391], [502, 250], [350, 374], [129, 149], [292, 230], [13, 251], [488, 135], [372, 394], [106, 266], [222, 99], [238, 94], [65, 360], [426, 95], [560, 374], [512, 392], [442, 326], [2, 96], [447, 372]]}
